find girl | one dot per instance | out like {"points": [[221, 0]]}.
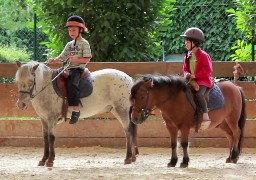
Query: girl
{"points": [[198, 65]]}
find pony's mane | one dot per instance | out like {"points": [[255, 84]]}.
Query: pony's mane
{"points": [[160, 81], [25, 70]]}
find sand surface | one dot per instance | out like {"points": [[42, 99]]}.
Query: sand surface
{"points": [[107, 163]]}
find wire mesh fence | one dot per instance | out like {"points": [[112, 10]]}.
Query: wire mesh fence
{"points": [[26, 36], [211, 16]]}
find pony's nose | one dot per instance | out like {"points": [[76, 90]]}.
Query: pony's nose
{"points": [[135, 120]]}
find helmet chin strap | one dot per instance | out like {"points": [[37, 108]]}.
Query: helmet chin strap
{"points": [[77, 36], [191, 47]]}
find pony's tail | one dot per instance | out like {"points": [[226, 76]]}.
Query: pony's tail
{"points": [[241, 122]]}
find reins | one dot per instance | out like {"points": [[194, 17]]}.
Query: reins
{"points": [[30, 92]]}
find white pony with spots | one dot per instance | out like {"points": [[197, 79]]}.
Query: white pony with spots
{"points": [[111, 91]]}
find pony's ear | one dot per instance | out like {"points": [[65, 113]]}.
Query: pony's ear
{"points": [[149, 83], [18, 64], [35, 67]]}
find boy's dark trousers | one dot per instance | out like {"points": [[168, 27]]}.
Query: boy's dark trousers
{"points": [[73, 87]]}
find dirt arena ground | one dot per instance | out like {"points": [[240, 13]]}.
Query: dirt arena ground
{"points": [[107, 163]]}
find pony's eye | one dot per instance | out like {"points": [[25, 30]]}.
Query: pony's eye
{"points": [[21, 86], [30, 83], [143, 97]]}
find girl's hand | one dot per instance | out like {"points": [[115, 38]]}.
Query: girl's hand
{"points": [[192, 76], [187, 76]]}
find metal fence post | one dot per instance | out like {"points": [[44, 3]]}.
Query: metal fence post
{"points": [[35, 38], [253, 45]]}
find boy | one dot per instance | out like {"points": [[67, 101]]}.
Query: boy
{"points": [[78, 53]]}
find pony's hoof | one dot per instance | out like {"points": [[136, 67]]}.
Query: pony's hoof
{"points": [[49, 164], [128, 161], [136, 151], [183, 165], [171, 165], [133, 159], [173, 162], [41, 163], [228, 160], [235, 160]]}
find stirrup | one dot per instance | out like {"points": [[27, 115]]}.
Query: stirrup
{"points": [[74, 117]]}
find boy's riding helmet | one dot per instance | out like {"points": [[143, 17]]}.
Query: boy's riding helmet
{"points": [[76, 21], [194, 33]]}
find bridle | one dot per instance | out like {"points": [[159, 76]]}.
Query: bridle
{"points": [[33, 88], [30, 92], [145, 111]]}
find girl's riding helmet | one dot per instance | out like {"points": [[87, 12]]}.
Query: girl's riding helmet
{"points": [[194, 33]]}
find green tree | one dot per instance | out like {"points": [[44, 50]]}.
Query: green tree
{"points": [[16, 23], [14, 17], [118, 30]]}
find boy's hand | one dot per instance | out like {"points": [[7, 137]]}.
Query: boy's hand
{"points": [[51, 60], [71, 58]]}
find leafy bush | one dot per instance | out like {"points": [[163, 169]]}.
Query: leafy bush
{"points": [[245, 16], [12, 53], [242, 51]]}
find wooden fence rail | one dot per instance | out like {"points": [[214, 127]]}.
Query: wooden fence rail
{"points": [[98, 130]]}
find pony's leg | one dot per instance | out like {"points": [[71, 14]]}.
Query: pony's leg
{"points": [[224, 127], [236, 137], [130, 130], [46, 144], [131, 154], [184, 145], [129, 145], [135, 140], [174, 135], [51, 139]]}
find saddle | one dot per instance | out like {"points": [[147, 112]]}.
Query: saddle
{"points": [[60, 86], [213, 97], [60, 83]]}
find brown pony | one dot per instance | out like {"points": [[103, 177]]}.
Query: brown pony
{"points": [[168, 94]]}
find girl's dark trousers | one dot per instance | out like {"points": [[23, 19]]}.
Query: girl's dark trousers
{"points": [[201, 100]]}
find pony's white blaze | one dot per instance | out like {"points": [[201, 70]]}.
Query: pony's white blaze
{"points": [[111, 91]]}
